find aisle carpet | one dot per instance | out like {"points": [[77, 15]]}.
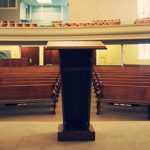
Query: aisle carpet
{"points": [[123, 135]]}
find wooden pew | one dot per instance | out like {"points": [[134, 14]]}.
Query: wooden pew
{"points": [[29, 84], [28, 94], [14, 62], [53, 68], [28, 75], [27, 81], [122, 85], [126, 94], [21, 81], [127, 68]]}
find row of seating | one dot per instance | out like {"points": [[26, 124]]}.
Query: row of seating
{"points": [[93, 23], [13, 24], [14, 62], [142, 21], [122, 85], [29, 85], [31, 69], [107, 22], [99, 23], [59, 24]]}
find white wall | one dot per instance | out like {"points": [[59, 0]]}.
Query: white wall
{"points": [[11, 14], [41, 55], [51, 13], [126, 10], [46, 14], [22, 10], [65, 13], [87, 10], [111, 56], [82, 10]]}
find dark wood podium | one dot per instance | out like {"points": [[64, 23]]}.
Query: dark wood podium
{"points": [[76, 61]]}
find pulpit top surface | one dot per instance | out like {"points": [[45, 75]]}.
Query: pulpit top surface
{"points": [[51, 45]]}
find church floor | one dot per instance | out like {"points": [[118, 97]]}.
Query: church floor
{"points": [[115, 135], [34, 128]]}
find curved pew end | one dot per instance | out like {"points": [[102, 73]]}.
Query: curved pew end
{"points": [[111, 103], [98, 107], [135, 105], [148, 110]]}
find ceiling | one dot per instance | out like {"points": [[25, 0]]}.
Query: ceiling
{"points": [[54, 2]]}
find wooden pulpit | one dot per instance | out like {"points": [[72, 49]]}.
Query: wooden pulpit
{"points": [[76, 61]]}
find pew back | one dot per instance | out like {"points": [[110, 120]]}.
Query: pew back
{"points": [[117, 84], [29, 84]]}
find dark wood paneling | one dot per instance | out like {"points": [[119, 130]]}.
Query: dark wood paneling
{"points": [[31, 52], [51, 57], [94, 57]]}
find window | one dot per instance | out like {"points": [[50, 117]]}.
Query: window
{"points": [[144, 12], [144, 51], [8, 4], [143, 8]]}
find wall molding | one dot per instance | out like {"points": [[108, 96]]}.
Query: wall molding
{"points": [[103, 33]]}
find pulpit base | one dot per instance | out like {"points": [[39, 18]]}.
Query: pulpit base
{"points": [[77, 135]]}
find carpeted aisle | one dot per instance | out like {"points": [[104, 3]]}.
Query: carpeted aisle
{"points": [[114, 135]]}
